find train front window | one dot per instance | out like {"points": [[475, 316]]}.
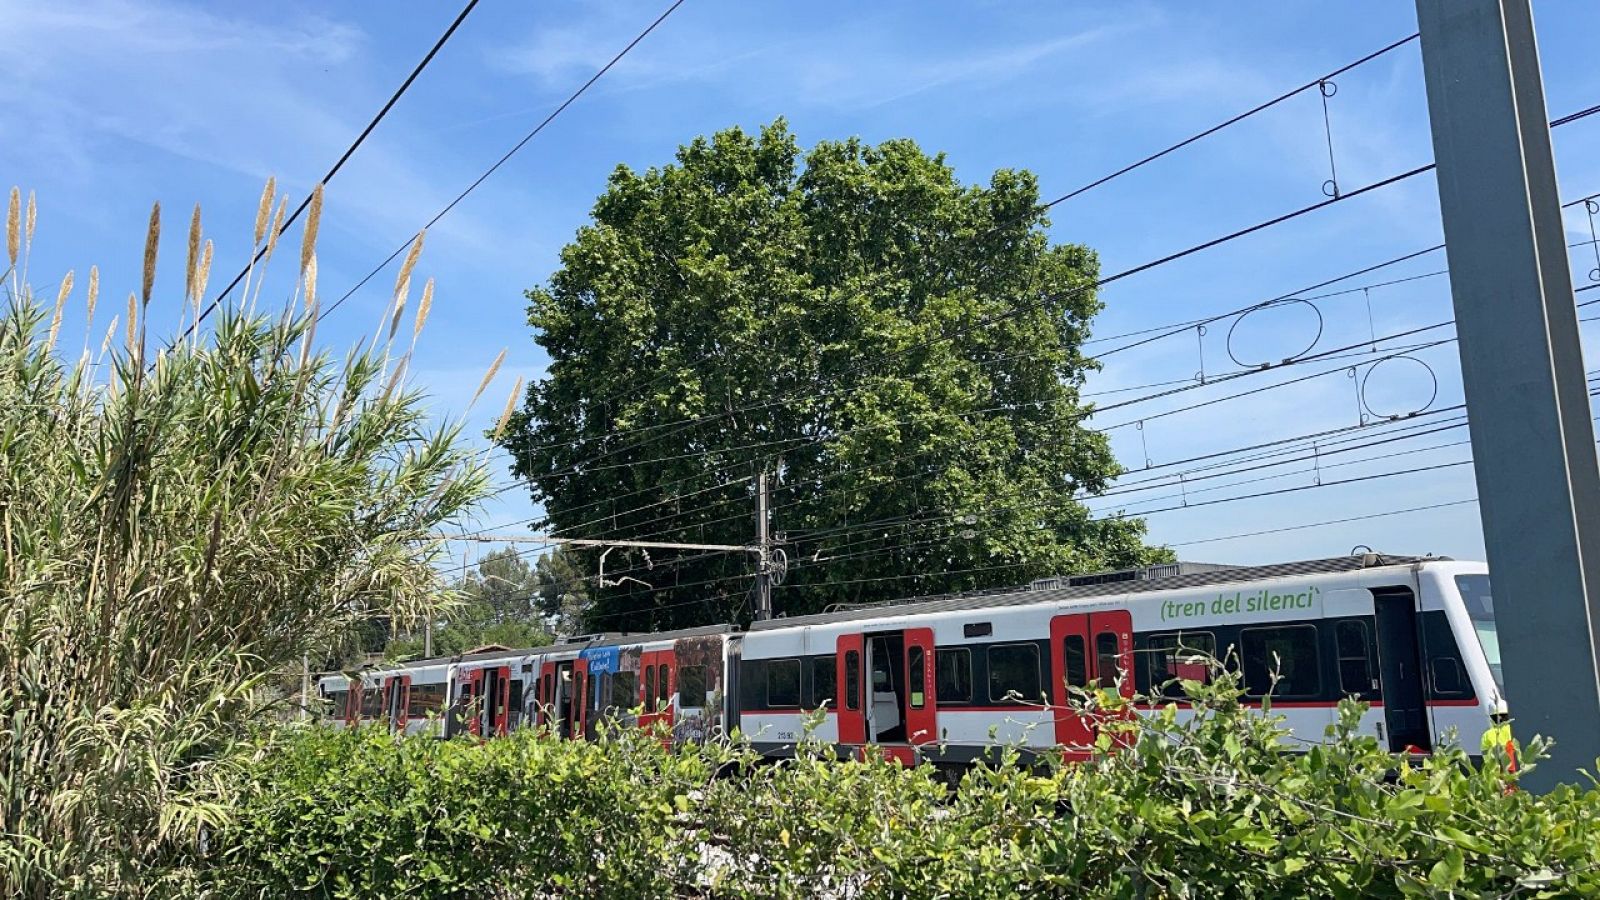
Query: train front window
{"points": [[1480, 610]]}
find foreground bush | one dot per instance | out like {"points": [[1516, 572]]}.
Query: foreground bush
{"points": [[180, 521], [1204, 807]]}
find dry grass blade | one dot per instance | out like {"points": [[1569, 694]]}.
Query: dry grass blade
{"points": [[263, 211], [152, 240], [14, 226], [313, 222], [487, 377], [505, 414], [192, 265], [422, 311], [55, 317]]}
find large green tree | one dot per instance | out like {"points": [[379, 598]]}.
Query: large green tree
{"points": [[504, 600], [900, 350]]}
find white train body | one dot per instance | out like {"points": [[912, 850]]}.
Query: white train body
{"points": [[946, 680]]}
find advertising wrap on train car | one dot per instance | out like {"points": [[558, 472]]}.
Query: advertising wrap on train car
{"points": [[1267, 600]]}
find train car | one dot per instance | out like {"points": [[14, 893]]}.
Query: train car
{"points": [[945, 680], [673, 680], [414, 696], [351, 702], [485, 692]]}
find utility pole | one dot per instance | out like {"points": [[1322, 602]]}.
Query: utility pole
{"points": [[763, 552], [1533, 444]]}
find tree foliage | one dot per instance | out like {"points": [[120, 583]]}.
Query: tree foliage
{"points": [[179, 525], [504, 601], [901, 350]]}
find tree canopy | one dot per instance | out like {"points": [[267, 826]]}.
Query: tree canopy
{"points": [[505, 600], [899, 349]]}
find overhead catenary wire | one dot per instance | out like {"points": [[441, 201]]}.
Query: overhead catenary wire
{"points": [[339, 164], [506, 157]]}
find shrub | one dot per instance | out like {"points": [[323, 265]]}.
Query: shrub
{"points": [[1198, 805], [179, 524]]}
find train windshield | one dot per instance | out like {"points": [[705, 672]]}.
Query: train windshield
{"points": [[1480, 609]]}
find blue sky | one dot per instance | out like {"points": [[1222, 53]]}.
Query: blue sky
{"points": [[113, 104]]}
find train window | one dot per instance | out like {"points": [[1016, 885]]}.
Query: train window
{"points": [[1106, 659], [952, 675], [691, 687], [1074, 661], [783, 683], [625, 690], [337, 701], [1355, 657], [1013, 673], [917, 677], [823, 675], [1287, 653], [426, 700], [371, 703], [1447, 677], [663, 686], [649, 689], [1178, 656], [852, 679]]}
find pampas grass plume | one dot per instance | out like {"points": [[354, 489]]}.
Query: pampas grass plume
{"points": [[488, 377], [152, 241], [505, 415], [55, 318], [313, 220], [14, 226], [264, 210]]}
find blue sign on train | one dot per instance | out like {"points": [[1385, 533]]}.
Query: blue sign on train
{"points": [[601, 661]]}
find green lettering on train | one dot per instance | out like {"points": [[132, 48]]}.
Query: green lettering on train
{"points": [[1266, 600]]}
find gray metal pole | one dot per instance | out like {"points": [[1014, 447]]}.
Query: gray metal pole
{"points": [[764, 551], [1522, 367]]}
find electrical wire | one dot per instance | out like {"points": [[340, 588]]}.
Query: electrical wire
{"points": [[515, 148], [343, 158]]}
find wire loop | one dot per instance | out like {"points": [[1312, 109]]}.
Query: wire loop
{"points": [[1275, 304]]}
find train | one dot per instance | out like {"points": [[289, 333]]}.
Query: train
{"points": [[947, 680]]}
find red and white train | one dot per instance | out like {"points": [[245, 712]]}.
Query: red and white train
{"points": [[944, 680]]}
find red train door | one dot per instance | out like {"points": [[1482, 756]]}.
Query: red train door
{"points": [[500, 703], [847, 678], [352, 704], [397, 701], [1088, 650], [545, 693], [657, 683], [922, 710], [472, 701]]}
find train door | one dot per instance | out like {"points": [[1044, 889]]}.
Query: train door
{"points": [[471, 700], [580, 699], [499, 700], [658, 671], [1088, 650], [397, 701], [352, 705], [544, 694], [921, 703], [848, 683], [1405, 713]]}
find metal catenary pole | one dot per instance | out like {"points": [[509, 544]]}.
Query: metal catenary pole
{"points": [[763, 552], [1522, 368]]}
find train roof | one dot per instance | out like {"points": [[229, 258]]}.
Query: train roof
{"points": [[1163, 577]]}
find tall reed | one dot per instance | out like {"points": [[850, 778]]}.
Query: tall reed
{"points": [[176, 528]]}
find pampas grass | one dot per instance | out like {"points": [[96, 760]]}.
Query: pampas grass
{"points": [[487, 377], [174, 534]]}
